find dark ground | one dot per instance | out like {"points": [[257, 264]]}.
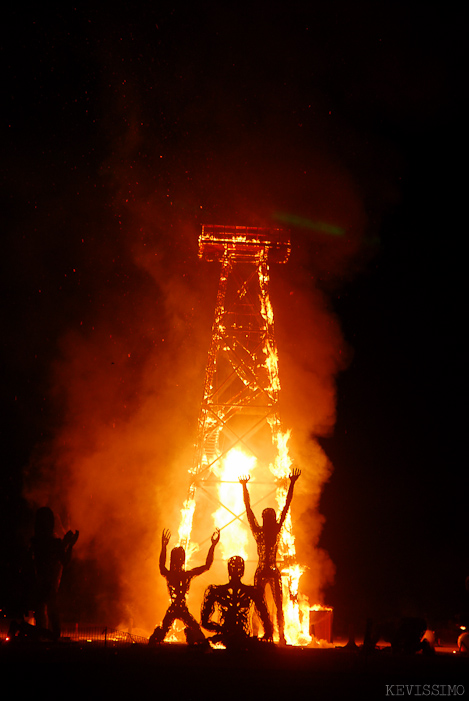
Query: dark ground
{"points": [[273, 673]]}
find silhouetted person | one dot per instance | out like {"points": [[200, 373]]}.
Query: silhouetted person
{"points": [[178, 581], [234, 602], [50, 554], [267, 537], [409, 637], [371, 637]]}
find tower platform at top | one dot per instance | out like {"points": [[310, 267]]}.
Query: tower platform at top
{"points": [[244, 243]]}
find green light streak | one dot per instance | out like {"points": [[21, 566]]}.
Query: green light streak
{"points": [[309, 224]]}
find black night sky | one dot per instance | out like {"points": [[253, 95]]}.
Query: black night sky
{"points": [[116, 118]]}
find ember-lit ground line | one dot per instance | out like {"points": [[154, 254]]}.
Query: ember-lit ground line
{"points": [[137, 669]]}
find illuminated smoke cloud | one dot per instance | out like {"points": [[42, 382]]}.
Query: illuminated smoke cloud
{"points": [[127, 381]]}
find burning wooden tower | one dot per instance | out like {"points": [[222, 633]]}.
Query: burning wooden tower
{"points": [[239, 427]]}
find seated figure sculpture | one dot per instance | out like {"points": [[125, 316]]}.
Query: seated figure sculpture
{"points": [[267, 538], [234, 602], [178, 580]]}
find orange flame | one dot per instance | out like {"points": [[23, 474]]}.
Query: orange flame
{"points": [[235, 538]]}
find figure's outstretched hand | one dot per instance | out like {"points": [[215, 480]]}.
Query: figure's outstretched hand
{"points": [[244, 479], [216, 536], [295, 474], [71, 538], [165, 537]]}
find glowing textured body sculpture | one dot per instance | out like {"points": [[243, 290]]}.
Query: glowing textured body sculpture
{"points": [[267, 538], [178, 580], [239, 429], [233, 602]]}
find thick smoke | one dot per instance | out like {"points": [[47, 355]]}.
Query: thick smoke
{"points": [[127, 384], [126, 379]]}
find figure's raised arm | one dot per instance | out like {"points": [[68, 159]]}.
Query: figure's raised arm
{"points": [[166, 535], [293, 477], [244, 479], [209, 561], [69, 540], [215, 538]]}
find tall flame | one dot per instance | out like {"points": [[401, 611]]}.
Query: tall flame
{"points": [[235, 538], [185, 526]]}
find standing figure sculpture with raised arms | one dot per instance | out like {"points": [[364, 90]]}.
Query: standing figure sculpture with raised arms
{"points": [[267, 537], [178, 581]]}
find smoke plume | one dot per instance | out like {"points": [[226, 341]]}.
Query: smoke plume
{"points": [[127, 384], [125, 381]]}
